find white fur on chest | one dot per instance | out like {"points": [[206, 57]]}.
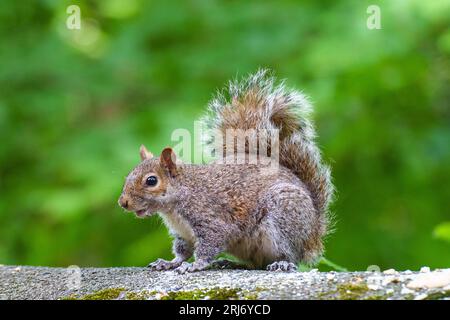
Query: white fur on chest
{"points": [[179, 226]]}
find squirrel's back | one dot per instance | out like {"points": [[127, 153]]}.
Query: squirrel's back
{"points": [[257, 102]]}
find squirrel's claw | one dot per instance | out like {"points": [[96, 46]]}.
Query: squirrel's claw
{"points": [[192, 267], [183, 268], [161, 265], [281, 266]]}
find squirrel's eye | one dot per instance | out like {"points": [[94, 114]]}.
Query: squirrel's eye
{"points": [[151, 181]]}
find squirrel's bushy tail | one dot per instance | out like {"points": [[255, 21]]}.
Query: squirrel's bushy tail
{"points": [[257, 102]]}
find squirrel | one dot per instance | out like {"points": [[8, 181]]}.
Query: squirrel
{"points": [[272, 219]]}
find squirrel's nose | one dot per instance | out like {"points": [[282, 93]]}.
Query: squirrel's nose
{"points": [[123, 202]]}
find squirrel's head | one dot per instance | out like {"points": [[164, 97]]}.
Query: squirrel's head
{"points": [[147, 188]]}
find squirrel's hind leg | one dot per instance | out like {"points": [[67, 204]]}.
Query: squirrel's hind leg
{"points": [[290, 227]]}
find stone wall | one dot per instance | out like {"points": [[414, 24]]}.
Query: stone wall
{"points": [[17, 282]]}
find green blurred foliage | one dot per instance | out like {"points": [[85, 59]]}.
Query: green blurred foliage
{"points": [[442, 231], [76, 104]]}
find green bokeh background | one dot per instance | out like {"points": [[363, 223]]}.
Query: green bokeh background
{"points": [[76, 105]]}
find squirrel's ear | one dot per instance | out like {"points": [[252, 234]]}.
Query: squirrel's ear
{"points": [[168, 161], [145, 154]]}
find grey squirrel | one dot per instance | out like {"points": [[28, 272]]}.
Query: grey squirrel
{"points": [[269, 219]]}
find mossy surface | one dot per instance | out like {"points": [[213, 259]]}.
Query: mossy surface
{"points": [[347, 291], [199, 294], [105, 294], [141, 295], [379, 296], [352, 291], [216, 293], [438, 295]]}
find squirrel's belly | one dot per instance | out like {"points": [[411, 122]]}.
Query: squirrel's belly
{"points": [[178, 225], [259, 249]]}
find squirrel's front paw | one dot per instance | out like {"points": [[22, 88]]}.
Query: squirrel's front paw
{"points": [[281, 266], [192, 267], [162, 264]]}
